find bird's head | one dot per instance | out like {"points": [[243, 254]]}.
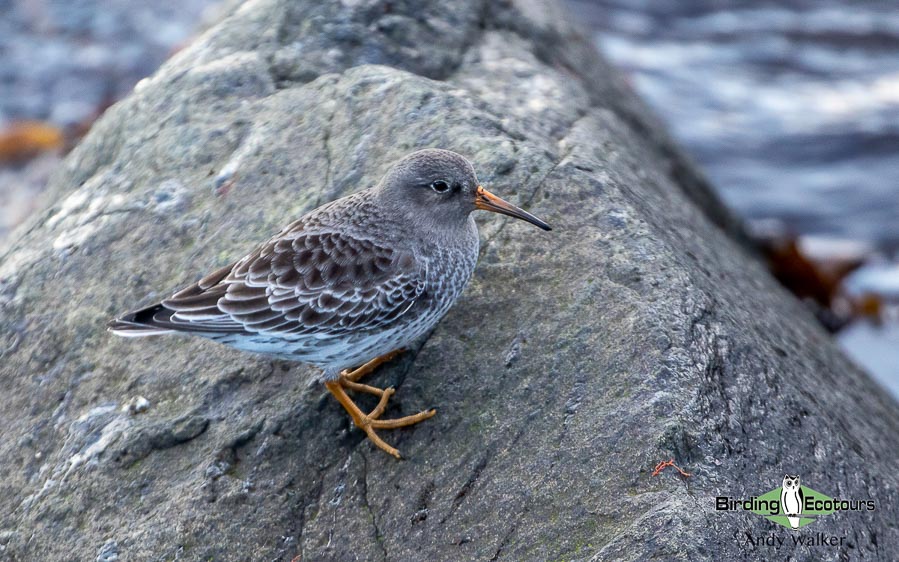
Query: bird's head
{"points": [[790, 481], [440, 186]]}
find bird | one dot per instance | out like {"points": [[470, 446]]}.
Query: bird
{"points": [[349, 285], [791, 498]]}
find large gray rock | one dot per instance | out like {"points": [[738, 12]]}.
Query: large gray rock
{"points": [[636, 331]]}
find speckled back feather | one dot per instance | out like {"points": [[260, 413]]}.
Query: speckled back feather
{"points": [[308, 279]]}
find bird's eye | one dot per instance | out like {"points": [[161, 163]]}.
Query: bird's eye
{"points": [[440, 186]]}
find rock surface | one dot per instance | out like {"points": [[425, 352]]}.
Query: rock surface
{"points": [[636, 331]]}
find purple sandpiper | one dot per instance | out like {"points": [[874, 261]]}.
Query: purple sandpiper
{"points": [[350, 283]]}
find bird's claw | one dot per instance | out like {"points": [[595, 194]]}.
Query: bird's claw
{"points": [[371, 421]]}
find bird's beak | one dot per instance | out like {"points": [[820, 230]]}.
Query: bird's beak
{"points": [[487, 201]]}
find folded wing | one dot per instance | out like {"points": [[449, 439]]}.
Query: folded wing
{"points": [[301, 283]]}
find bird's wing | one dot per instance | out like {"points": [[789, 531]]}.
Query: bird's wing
{"points": [[320, 283]]}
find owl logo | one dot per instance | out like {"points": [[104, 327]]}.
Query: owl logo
{"points": [[791, 500]]}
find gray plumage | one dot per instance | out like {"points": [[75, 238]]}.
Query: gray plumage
{"points": [[351, 280]]}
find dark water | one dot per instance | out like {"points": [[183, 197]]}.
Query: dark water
{"points": [[64, 61], [792, 110]]}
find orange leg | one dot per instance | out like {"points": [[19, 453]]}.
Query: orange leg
{"points": [[369, 422], [366, 369]]}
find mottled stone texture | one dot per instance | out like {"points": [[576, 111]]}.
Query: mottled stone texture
{"points": [[636, 331]]}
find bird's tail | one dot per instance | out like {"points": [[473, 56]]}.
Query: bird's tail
{"points": [[794, 522], [138, 324]]}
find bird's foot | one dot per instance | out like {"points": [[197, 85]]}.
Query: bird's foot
{"points": [[370, 422]]}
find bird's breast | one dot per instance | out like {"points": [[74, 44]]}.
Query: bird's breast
{"points": [[449, 268]]}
